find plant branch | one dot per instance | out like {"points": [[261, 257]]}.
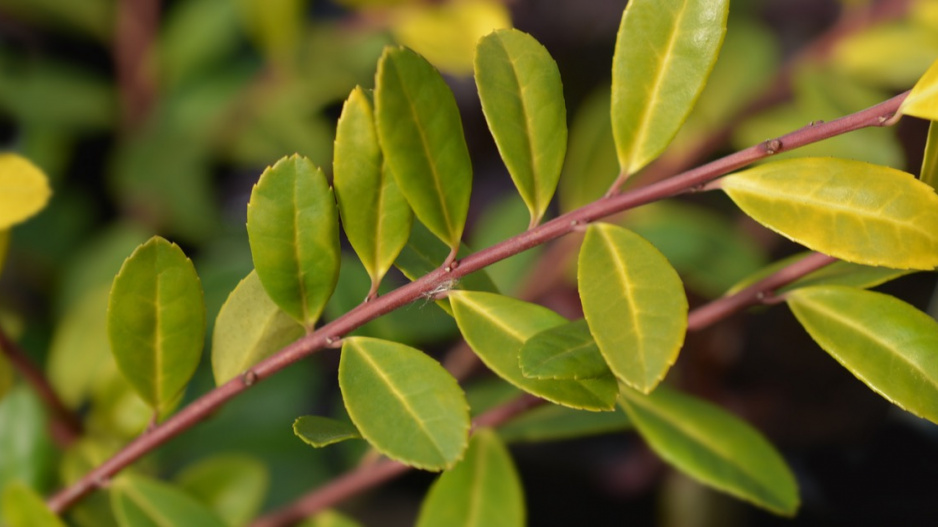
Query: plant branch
{"points": [[65, 426], [364, 478], [688, 181]]}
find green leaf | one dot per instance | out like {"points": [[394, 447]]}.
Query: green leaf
{"points": [[80, 355], [634, 303], [422, 139], [929, 172], [24, 190], [714, 447], [664, 53], [293, 228], [330, 518], [7, 376], [592, 161], [249, 328], [4, 246], [195, 36], [24, 507], [886, 343], [923, 101], [156, 321], [852, 210], [501, 219], [554, 423], [322, 431], [26, 450], [497, 326], [483, 490], [231, 485], [375, 215], [889, 54], [522, 98], [404, 403], [138, 501], [563, 352]]}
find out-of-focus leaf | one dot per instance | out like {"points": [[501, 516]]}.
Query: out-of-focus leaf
{"points": [[78, 459], [4, 246], [92, 17], [892, 55], [852, 210], [563, 352], [139, 501], [231, 485], [837, 273], [924, 13], [708, 251], [482, 490], [555, 423], [502, 219], [80, 354], [497, 326], [447, 33], [23, 507], [275, 25], [929, 172], [886, 343], [634, 303], [714, 447], [422, 140], [375, 215], [330, 518], [320, 431], [26, 451], [24, 190], [664, 53], [592, 162], [404, 403], [293, 227], [249, 328], [6, 376], [522, 98], [156, 321], [195, 36], [923, 101]]}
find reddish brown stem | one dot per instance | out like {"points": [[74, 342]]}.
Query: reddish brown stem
{"points": [[135, 32], [64, 425], [688, 181]]}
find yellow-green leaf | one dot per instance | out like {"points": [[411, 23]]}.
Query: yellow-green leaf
{"points": [[421, 136], [23, 507], [375, 215], [886, 343], [592, 163], [893, 55], [563, 352], [319, 431], [855, 211], [446, 33], [497, 326], [80, 356], [837, 273], [522, 98], [231, 485], [330, 518], [24, 190], [404, 403], [293, 229], [634, 303], [555, 423], [923, 101], [714, 447], [156, 321], [249, 328], [138, 501], [929, 172], [482, 490], [664, 53]]}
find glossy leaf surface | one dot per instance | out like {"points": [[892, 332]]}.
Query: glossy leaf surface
{"points": [[923, 101], [634, 303], [522, 98], [497, 326], [714, 447], [375, 216], [664, 53], [421, 135], [232, 485], [886, 343], [563, 352], [24, 190], [138, 501], [929, 172], [250, 327], [404, 403], [322, 431], [483, 490], [24, 507], [555, 423], [156, 321], [855, 211], [293, 228]]}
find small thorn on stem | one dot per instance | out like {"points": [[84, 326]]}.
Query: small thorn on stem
{"points": [[249, 378], [772, 146]]}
